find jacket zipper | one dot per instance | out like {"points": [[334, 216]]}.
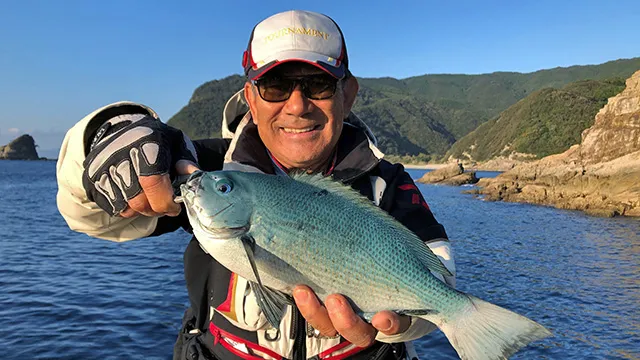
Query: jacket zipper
{"points": [[298, 335]]}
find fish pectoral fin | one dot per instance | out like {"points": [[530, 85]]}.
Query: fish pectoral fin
{"points": [[428, 258], [249, 244], [272, 303]]}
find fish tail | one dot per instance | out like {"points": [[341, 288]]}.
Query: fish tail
{"points": [[487, 331]]}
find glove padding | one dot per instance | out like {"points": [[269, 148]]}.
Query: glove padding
{"points": [[126, 147]]}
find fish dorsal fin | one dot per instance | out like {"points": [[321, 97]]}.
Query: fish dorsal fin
{"points": [[413, 242], [330, 185], [428, 258]]}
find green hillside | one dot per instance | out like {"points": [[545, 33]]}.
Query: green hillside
{"points": [[424, 114], [546, 122], [202, 117]]}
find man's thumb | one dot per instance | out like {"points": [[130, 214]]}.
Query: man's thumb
{"points": [[186, 167]]}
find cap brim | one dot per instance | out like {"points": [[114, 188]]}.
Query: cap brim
{"points": [[320, 61]]}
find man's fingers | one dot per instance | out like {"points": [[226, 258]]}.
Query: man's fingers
{"points": [[128, 213], [347, 323], [140, 204], [186, 167], [390, 323], [159, 193], [313, 311]]}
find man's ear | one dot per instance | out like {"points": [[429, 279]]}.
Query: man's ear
{"points": [[350, 91], [250, 96]]}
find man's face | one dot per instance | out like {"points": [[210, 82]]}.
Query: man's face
{"points": [[301, 132]]}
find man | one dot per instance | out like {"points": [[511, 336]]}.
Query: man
{"points": [[117, 164]]}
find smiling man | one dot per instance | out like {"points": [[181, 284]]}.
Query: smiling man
{"points": [[294, 113]]}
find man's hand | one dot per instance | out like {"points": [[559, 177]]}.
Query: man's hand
{"points": [[339, 318], [156, 198], [127, 171]]}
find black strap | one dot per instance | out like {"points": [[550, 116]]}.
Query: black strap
{"points": [[103, 116]]}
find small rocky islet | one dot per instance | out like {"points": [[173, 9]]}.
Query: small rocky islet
{"points": [[21, 148]]}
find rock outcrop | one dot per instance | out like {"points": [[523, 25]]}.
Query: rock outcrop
{"points": [[501, 163], [21, 148], [453, 174], [601, 175]]}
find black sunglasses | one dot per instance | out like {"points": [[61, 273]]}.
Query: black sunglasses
{"points": [[277, 89]]}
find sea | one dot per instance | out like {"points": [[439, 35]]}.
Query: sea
{"points": [[65, 295]]}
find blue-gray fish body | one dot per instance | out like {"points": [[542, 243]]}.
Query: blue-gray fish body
{"points": [[311, 230]]}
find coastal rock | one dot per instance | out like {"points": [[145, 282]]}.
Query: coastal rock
{"points": [[462, 179], [449, 175], [502, 163], [21, 148], [441, 174], [600, 176]]}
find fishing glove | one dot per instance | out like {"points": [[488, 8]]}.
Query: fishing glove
{"points": [[128, 146]]}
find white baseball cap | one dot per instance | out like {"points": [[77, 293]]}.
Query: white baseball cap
{"points": [[296, 35]]}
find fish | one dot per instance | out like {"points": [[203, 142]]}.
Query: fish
{"points": [[282, 231]]}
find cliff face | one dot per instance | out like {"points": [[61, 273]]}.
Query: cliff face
{"points": [[601, 175], [616, 131], [21, 148]]}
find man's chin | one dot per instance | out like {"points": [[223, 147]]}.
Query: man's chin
{"points": [[302, 162]]}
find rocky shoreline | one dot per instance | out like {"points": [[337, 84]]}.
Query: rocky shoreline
{"points": [[424, 166], [600, 176]]}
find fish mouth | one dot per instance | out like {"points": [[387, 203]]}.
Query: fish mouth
{"points": [[189, 189]]}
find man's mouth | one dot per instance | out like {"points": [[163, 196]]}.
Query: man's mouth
{"points": [[300, 130]]}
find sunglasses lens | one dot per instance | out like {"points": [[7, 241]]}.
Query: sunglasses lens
{"points": [[320, 87], [275, 89]]}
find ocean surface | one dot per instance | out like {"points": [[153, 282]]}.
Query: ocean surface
{"points": [[65, 295]]}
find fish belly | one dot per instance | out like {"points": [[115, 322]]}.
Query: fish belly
{"points": [[231, 254]]}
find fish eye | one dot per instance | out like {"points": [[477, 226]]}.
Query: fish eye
{"points": [[224, 187]]}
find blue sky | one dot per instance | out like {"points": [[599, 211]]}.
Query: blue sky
{"points": [[61, 59]]}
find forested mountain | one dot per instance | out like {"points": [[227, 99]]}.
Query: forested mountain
{"points": [[202, 117], [424, 114], [546, 122]]}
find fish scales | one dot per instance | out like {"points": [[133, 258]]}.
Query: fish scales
{"points": [[357, 247]]}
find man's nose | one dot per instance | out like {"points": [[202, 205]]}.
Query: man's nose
{"points": [[298, 104]]}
